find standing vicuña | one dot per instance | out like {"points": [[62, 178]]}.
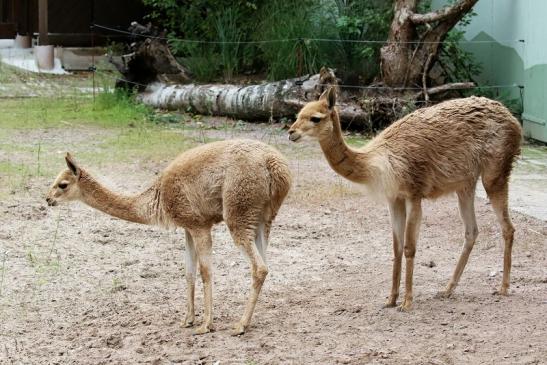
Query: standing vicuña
{"points": [[242, 182], [430, 152]]}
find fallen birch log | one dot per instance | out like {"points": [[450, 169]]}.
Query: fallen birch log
{"points": [[266, 101]]}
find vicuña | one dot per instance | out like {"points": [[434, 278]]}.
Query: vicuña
{"points": [[431, 152], [240, 182]]}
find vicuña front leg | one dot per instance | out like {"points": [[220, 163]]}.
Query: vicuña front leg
{"points": [[398, 217], [191, 268], [413, 220], [203, 245], [259, 271]]}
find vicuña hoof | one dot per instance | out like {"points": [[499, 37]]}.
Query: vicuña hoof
{"points": [[189, 321], [405, 306], [444, 294], [390, 303], [238, 329], [203, 329], [502, 291]]}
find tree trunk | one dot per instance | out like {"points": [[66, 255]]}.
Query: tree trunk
{"points": [[407, 55]]}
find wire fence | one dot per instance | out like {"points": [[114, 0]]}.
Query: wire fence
{"points": [[309, 39], [25, 82], [343, 86], [96, 26]]}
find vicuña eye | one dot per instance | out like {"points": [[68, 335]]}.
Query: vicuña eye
{"points": [[315, 119], [63, 185]]}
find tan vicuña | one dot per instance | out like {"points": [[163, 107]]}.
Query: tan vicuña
{"points": [[241, 182], [431, 152]]}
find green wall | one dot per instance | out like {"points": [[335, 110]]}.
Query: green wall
{"points": [[506, 60]]}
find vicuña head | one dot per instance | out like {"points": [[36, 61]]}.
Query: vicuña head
{"points": [[316, 118], [65, 187]]}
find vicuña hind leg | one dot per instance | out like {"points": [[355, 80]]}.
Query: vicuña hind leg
{"points": [[245, 238], [413, 220], [203, 244], [261, 239], [498, 198], [466, 202], [397, 211], [191, 268]]}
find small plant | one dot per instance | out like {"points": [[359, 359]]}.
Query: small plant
{"points": [[31, 257], [38, 158], [121, 104], [117, 285], [54, 240]]}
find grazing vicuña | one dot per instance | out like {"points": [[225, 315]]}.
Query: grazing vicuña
{"points": [[241, 182]]}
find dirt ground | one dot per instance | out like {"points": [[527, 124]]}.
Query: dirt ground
{"points": [[80, 287]]}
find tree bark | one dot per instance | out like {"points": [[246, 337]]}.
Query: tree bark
{"points": [[149, 60], [395, 55], [404, 57]]}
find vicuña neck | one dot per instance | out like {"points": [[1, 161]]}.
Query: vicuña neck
{"points": [[343, 159], [129, 208]]}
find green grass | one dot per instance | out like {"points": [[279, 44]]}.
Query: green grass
{"points": [[356, 141], [535, 152], [108, 110], [139, 143], [533, 160], [19, 83], [111, 129], [7, 74]]}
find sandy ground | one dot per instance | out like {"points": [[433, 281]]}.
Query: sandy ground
{"points": [[80, 287]]}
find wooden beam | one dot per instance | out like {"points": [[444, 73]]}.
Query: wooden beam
{"points": [[16, 13], [29, 23], [43, 39]]}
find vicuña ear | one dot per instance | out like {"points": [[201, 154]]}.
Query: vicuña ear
{"points": [[330, 96], [72, 164]]}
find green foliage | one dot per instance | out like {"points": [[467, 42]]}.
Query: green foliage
{"points": [[296, 22], [120, 103], [229, 33], [210, 21], [359, 21], [314, 34], [459, 64], [201, 60]]}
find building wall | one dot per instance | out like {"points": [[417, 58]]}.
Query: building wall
{"points": [[507, 60], [69, 21]]}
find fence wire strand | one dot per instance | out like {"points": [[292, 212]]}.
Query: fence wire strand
{"points": [[300, 39], [343, 86]]}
